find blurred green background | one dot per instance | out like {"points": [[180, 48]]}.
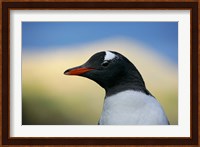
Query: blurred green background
{"points": [[49, 48]]}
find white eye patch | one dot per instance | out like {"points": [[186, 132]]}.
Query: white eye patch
{"points": [[109, 55]]}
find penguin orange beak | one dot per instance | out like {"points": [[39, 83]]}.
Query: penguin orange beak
{"points": [[77, 70]]}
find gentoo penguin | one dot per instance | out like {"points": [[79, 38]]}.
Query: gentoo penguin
{"points": [[127, 100]]}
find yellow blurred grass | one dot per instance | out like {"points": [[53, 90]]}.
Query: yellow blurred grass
{"points": [[50, 97]]}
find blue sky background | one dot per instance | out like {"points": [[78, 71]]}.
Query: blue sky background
{"points": [[160, 36]]}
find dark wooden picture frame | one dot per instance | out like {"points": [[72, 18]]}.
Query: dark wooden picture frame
{"points": [[7, 140]]}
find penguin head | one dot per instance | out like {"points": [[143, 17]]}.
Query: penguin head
{"points": [[108, 69]]}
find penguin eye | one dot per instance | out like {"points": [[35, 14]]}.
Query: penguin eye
{"points": [[105, 63]]}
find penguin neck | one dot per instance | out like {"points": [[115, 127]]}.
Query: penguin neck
{"points": [[131, 82]]}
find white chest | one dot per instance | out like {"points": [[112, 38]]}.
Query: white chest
{"points": [[132, 108]]}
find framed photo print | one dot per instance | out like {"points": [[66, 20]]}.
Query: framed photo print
{"points": [[99, 73]]}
